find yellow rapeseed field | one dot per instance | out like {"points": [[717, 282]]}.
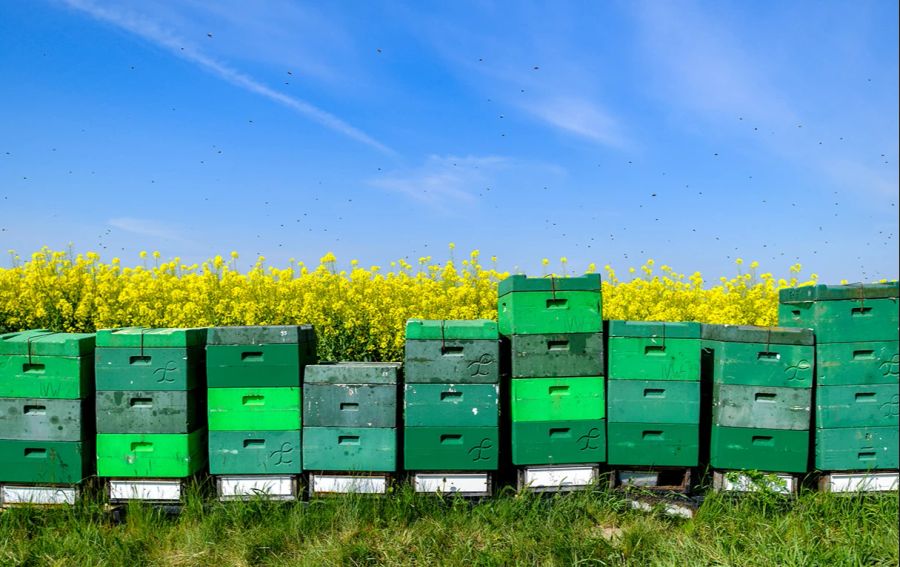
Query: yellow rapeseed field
{"points": [[359, 313]]}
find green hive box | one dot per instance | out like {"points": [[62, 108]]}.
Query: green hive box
{"points": [[461, 352], [557, 399], [451, 448], [770, 450], [857, 363], [653, 401], [45, 419], [51, 462], [761, 407], [843, 313], [43, 364], [653, 444], [760, 356], [469, 405], [349, 405], [255, 452], [558, 442], [151, 411], [263, 357], [151, 455], [857, 449], [544, 356], [350, 449], [150, 368], [871, 405], [527, 306], [265, 409], [646, 350]]}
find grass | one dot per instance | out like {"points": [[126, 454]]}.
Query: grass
{"points": [[596, 528]]}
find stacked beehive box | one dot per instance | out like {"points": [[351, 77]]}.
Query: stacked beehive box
{"points": [[150, 390], [555, 335], [46, 415], [350, 425], [762, 392], [450, 399], [857, 359], [254, 375], [654, 394]]}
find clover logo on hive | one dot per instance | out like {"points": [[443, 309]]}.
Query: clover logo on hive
{"points": [[892, 408], [793, 371], [164, 372], [588, 440], [481, 452], [283, 454], [891, 367], [481, 366]]}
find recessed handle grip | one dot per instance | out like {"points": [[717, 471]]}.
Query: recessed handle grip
{"points": [[557, 303], [764, 397], [139, 360], [451, 351], [866, 456], [558, 390], [865, 397], [451, 396], [35, 410], [142, 447], [768, 356], [654, 435], [863, 355], [861, 312], [32, 368], [254, 443], [558, 345], [763, 440], [654, 350], [141, 402], [256, 400], [349, 406], [35, 453], [560, 432], [451, 439], [252, 356], [348, 439], [654, 392]]}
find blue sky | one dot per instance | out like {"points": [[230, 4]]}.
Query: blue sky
{"points": [[692, 133]]}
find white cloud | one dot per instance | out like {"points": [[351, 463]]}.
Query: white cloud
{"points": [[146, 227], [151, 31], [443, 180], [581, 117]]}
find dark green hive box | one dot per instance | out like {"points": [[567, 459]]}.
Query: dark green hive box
{"points": [[640, 350], [870, 405], [149, 368], [561, 442], [857, 363], [451, 448], [464, 405], [45, 419], [549, 305], [353, 373], [350, 449], [760, 356], [857, 449], [843, 313], [45, 462], [255, 452], [769, 450], [349, 405], [43, 364], [541, 355], [273, 356], [653, 444], [451, 352], [761, 407], [653, 401], [149, 411]]}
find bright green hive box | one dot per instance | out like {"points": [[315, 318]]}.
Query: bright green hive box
{"points": [[871, 405], [558, 442], [769, 450], [45, 462], [267, 409], [653, 401], [760, 356], [857, 449], [876, 362], [255, 452], [350, 449], [653, 444], [43, 364], [465, 405], [761, 407], [451, 351], [843, 313], [557, 399], [451, 448], [640, 350], [549, 305], [151, 455], [544, 356]]}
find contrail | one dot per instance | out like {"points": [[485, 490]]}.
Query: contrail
{"points": [[153, 33]]}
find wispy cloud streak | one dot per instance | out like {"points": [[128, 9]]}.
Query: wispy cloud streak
{"points": [[152, 32]]}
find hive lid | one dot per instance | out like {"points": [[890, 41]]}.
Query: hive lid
{"points": [[824, 292], [137, 337], [353, 373], [477, 329], [587, 282], [261, 335], [647, 329], [40, 342], [761, 335]]}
